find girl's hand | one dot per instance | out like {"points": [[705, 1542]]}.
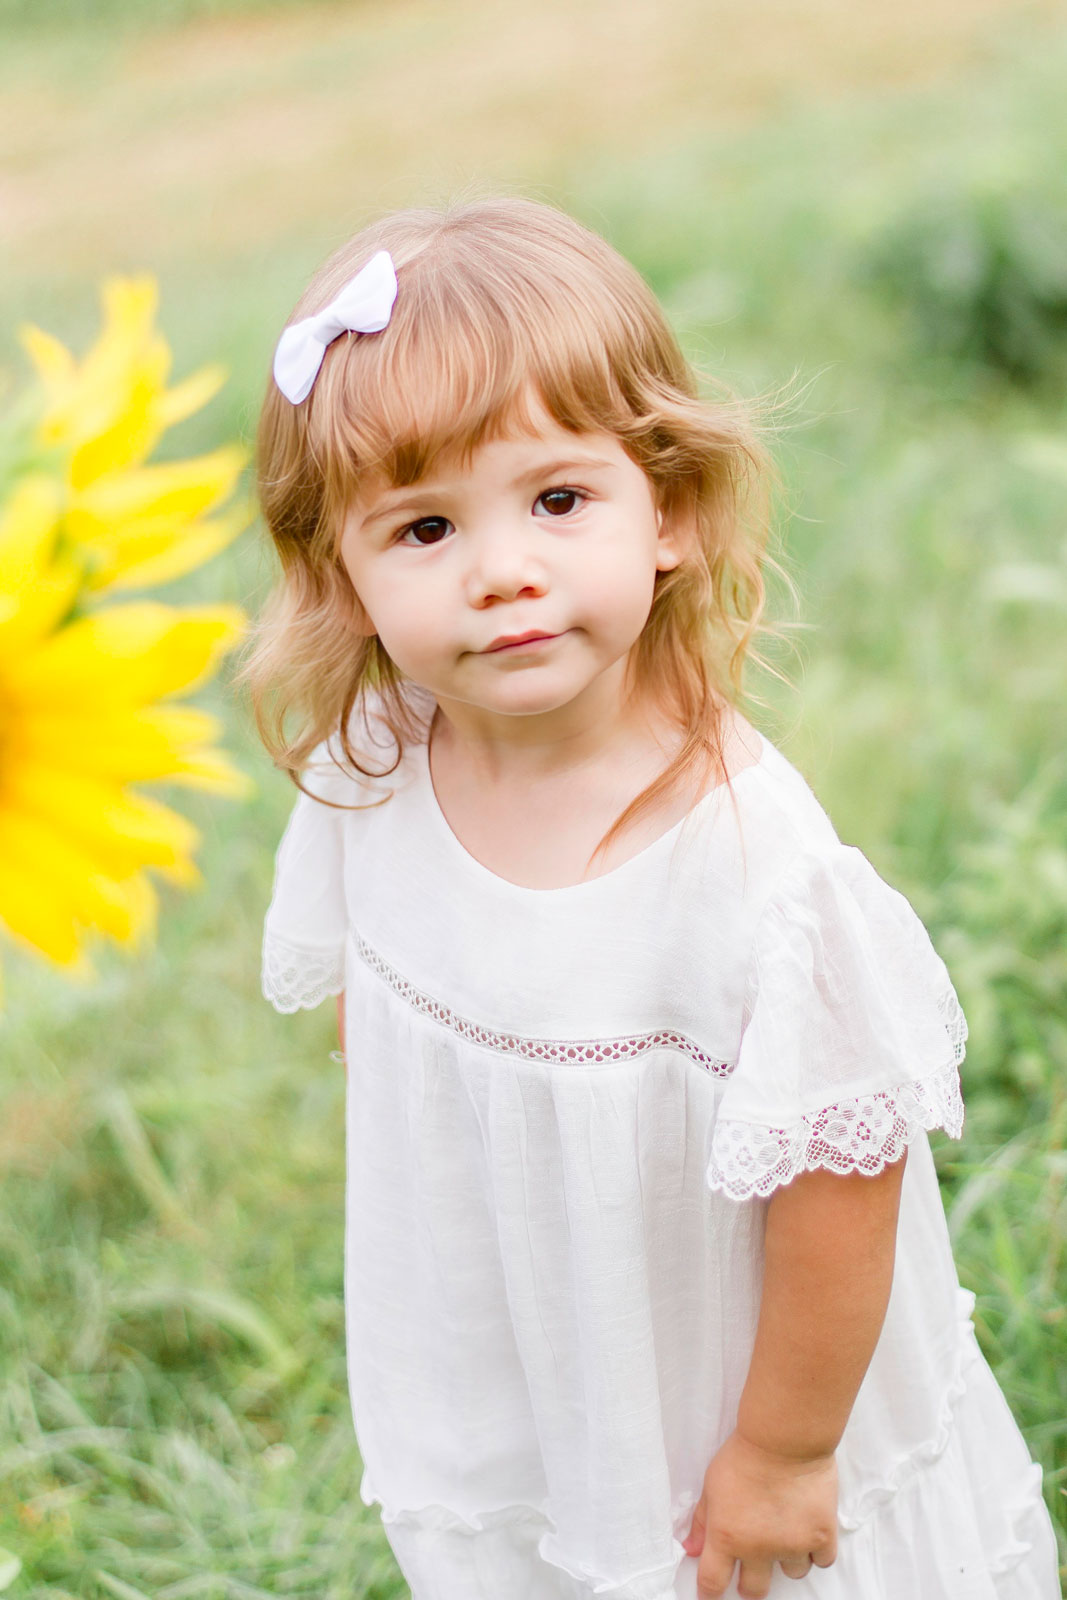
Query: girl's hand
{"points": [[757, 1508]]}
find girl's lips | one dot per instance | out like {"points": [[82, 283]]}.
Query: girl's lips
{"points": [[525, 642]]}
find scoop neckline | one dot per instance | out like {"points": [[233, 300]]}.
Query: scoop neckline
{"points": [[478, 868]]}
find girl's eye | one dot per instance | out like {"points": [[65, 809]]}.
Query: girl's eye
{"points": [[559, 502], [427, 531]]}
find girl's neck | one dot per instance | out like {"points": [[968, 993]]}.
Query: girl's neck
{"points": [[528, 757], [610, 731], [535, 814]]}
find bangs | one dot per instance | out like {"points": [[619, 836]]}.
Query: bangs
{"points": [[486, 331], [392, 404]]}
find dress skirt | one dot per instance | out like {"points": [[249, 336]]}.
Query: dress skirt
{"points": [[966, 1521]]}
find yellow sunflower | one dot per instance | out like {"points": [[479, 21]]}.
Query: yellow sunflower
{"points": [[78, 722], [86, 695], [138, 524]]}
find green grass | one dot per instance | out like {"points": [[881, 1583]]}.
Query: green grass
{"points": [[173, 1413], [41, 17]]}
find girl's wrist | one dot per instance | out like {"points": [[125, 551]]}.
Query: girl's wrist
{"points": [[790, 1448]]}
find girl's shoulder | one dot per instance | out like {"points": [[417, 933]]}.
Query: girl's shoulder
{"points": [[379, 754], [804, 883], [778, 805]]}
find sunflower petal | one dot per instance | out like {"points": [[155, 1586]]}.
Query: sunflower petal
{"points": [[142, 525], [165, 743], [65, 890], [169, 488], [53, 361], [128, 431], [146, 561], [188, 397], [124, 831], [212, 771], [38, 921], [129, 744], [126, 655], [37, 589], [102, 414], [28, 523]]}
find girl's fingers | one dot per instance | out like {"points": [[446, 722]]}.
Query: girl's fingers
{"points": [[693, 1543], [826, 1554], [754, 1579], [713, 1574], [796, 1566]]}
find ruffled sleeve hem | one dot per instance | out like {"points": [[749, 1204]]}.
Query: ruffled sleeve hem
{"points": [[298, 977], [864, 1133], [854, 1039]]}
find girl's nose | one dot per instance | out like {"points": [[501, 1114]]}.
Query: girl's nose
{"points": [[504, 566]]}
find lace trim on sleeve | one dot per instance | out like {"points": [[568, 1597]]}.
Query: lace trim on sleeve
{"points": [[297, 977], [861, 1134]]}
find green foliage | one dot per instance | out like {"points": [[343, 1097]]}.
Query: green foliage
{"points": [[981, 269], [39, 16], [1007, 1206], [173, 1406], [1006, 944]]}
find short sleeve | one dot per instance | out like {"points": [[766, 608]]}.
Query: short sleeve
{"points": [[853, 1038], [306, 923]]}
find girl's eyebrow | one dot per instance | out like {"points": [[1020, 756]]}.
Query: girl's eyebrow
{"points": [[552, 469], [406, 498]]}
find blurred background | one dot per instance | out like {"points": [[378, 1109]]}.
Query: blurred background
{"points": [[862, 206]]}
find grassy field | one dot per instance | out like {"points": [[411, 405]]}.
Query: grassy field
{"points": [[864, 207]]}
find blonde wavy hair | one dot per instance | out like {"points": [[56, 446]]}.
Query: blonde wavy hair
{"points": [[502, 303]]}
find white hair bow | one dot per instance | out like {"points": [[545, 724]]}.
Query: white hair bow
{"points": [[364, 305]]}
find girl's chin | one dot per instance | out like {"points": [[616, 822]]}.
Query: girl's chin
{"points": [[515, 698]]}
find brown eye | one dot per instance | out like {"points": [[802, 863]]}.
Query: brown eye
{"points": [[559, 502], [427, 531]]}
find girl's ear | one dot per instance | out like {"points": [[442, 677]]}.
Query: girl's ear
{"points": [[674, 537]]}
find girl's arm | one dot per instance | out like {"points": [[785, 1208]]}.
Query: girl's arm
{"points": [[770, 1494]]}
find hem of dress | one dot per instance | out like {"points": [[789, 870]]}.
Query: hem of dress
{"points": [[434, 1515], [924, 1456], [437, 1517], [632, 1587], [1017, 1514]]}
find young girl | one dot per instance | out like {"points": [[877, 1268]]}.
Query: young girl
{"points": [[648, 1287]]}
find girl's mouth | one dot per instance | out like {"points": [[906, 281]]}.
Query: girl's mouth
{"points": [[519, 641]]}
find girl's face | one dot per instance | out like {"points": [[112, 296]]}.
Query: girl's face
{"points": [[516, 582]]}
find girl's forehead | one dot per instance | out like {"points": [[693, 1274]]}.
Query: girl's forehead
{"points": [[527, 444]]}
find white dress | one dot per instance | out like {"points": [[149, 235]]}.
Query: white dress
{"points": [[565, 1111]]}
